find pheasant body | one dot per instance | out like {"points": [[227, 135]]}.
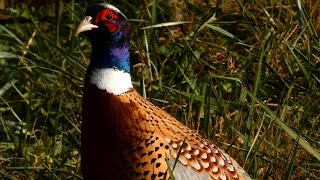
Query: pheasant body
{"points": [[124, 136]]}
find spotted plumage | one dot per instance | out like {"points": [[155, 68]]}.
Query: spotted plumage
{"points": [[124, 136]]}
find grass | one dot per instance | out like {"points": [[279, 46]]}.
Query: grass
{"points": [[243, 74]]}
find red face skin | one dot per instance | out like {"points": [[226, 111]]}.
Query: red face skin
{"points": [[109, 19]]}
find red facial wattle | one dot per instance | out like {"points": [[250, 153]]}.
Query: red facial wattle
{"points": [[108, 18]]}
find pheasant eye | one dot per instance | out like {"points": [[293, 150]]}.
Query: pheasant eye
{"points": [[109, 17]]}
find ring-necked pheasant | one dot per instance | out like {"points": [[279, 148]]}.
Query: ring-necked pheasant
{"points": [[123, 135]]}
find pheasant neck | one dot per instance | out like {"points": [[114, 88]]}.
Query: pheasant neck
{"points": [[111, 55], [109, 67]]}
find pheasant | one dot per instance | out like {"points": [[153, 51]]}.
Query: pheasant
{"points": [[124, 136]]}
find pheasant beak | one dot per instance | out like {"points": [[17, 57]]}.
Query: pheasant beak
{"points": [[85, 25]]}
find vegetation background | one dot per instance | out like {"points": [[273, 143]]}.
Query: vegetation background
{"points": [[243, 73]]}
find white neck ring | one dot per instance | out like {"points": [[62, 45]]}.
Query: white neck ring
{"points": [[113, 80]]}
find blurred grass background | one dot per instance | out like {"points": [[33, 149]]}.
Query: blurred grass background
{"points": [[244, 74]]}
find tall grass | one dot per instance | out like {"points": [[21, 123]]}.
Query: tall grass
{"points": [[243, 74]]}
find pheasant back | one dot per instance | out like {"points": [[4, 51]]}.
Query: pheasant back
{"points": [[130, 138]]}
